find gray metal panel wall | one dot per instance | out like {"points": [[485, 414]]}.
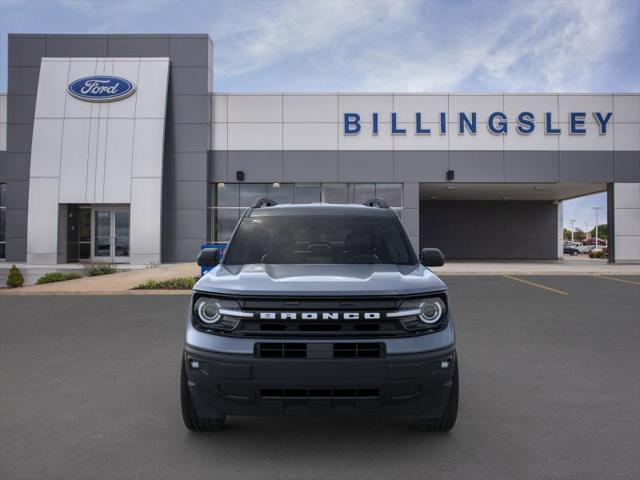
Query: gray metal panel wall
{"points": [[186, 148], [490, 230], [611, 223], [25, 52], [481, 166], [186, 133], [626, 167]]}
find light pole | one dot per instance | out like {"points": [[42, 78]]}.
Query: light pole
{"points": [[572, 222], [596, 210], [586, 231]]}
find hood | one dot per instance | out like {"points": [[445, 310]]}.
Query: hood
{"points": [[319, 280]]}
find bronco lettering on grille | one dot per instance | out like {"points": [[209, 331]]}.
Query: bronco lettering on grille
{"points": [[320, 315]]}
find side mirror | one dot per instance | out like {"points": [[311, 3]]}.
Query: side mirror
{"points": [[431, 257], [209, 257]]}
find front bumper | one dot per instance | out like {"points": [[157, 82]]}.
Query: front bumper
{"points": [[397, 384]]}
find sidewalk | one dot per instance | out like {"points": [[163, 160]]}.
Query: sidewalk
{"points": [[569, 266], [115, 283]]}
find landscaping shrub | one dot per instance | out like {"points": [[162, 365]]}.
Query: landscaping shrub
{"points": [[52, 277], [96, 269], [596, 254], [15, 278], [180, 283]]}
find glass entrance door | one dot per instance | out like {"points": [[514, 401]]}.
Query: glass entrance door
{"points": [[111, 234], [121, 233]]}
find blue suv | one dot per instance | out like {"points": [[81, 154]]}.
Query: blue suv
{"points": [[319, 309]]}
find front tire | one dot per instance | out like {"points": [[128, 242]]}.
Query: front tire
{"points": [[447, 420], [192, 420]]}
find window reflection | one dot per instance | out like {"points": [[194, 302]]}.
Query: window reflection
{"points": [[226, 195], [335, 193], [251, 192], [361, 192], [307, 192], [280, 192], [390, 192]]}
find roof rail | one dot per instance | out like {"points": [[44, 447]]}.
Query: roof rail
{"points": [[264, 202], [376, 202]]}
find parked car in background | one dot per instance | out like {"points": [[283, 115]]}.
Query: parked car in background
{"points": [[570, 248], [582, 248], [574, 248], [574, 244], [586, 248], [592, 241]]}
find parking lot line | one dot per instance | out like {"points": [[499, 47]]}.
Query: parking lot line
{"points": [[631, 282], [534, 284]]}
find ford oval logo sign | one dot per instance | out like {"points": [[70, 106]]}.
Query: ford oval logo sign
{"points": [[101, 88]]}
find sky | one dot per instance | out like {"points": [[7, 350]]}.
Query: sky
{"points": [[581, 210], [378, 45]]}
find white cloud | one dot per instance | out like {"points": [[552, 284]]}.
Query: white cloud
{"points": [[111, 14], [556, 52], [559, 47], [296, 29], [532, 46]]}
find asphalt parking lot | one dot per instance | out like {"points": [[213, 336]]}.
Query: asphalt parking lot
{"points": [[550, 388]]}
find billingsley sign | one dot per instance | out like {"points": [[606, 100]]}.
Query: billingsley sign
{"points": [[101, 88], [497, 123]]}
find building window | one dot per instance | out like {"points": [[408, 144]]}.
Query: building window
{"points": [[307, 193], [224, 210], [335, 193], [228, 201], [3, 221]]}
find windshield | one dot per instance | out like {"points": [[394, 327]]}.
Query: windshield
{"points": [[341, 239]]}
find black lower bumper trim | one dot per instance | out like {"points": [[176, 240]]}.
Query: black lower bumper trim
{"points": [[234, 384]]}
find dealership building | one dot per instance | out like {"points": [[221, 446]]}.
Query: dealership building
{"points": [[118, 148]]}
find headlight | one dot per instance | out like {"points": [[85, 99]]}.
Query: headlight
{"points": [[422, 314], [208, 310], [431, 311], [210, 313]]}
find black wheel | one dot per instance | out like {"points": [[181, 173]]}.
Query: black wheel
{"points": [[448, 418], [574, 253], [191, 419]]}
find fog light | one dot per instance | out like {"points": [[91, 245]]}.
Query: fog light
{"points": [[444, 364], [194, 364]]}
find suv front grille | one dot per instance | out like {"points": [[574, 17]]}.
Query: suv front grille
{"points": [[319, 350], [357, 350], [305, 328], [320, 317], [282, 350], [325, 328], [325, 393]]}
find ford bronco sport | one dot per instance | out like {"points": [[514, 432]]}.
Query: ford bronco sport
{"points": [[319, 309]]}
